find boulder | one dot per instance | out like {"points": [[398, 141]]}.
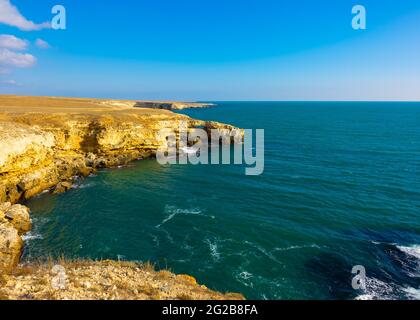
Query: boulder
{"points": [[10, 246], [18, 216], [63, 187]]}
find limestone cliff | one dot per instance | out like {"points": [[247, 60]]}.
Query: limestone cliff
{"points": [[41, 151], [45, 143], [171, 105]]}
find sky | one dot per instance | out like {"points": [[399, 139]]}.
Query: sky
{"points": [[212, 50]]}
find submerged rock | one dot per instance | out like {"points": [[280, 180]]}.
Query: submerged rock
{"points": [[63, 187]]}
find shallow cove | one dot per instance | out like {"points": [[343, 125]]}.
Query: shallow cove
{"points": [[340, 188]]}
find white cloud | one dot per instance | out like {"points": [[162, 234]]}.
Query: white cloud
{"points": [[11, 16], [9, 82], [42, 44], [13, 59], [11, 42], [10, 58]]}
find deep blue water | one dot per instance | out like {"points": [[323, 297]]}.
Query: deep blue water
{"points": [[341, 187]]}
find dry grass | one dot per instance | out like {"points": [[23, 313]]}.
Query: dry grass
{"points": [[28, 104]]}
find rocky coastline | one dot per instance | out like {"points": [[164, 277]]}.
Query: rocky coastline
{"points": [[47, 143], [172, 105]]}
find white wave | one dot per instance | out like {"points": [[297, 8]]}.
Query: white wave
{"points": [[377, 290], [168, 218], [263, 251], [42, 193], [364, 297], [83, 186], [411, 250], [173, 211], [168, 236], [297, 247], [412, 293], [178, 210], [30, 236], [214, 249], [245, 275], [244, 278]]}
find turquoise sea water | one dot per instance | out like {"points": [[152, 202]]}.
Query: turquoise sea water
{"points": [[341, 188]]}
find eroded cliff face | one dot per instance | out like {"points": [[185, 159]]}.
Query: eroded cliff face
{"points": [[171, 105], [40, 152], [42, 149]]}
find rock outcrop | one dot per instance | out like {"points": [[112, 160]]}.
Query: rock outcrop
{"points": [[171, 105], [14, 222], [104, 280], [10, 246], [18, 216]]}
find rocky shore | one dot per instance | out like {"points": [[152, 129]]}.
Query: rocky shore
{"points": [[104, 280], [46, 143]]}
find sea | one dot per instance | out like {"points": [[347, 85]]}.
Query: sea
{"points": [[340, 188]]}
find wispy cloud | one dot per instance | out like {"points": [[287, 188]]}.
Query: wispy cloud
{"points": [[42, 44], [11, 16], [10, 58], [11, 42], [9, 82]]}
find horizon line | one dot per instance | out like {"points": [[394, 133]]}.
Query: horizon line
{"points": [[209, 100]]}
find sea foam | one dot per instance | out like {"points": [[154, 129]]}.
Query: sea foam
{"points": [[411, 250]]}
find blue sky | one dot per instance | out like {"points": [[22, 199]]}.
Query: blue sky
{"points": [[217, 50]]}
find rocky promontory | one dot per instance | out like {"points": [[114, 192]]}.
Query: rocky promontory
{"points": [[46, 143], [171, 105]]}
